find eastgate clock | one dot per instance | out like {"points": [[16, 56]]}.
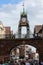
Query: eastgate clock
{"points": [[23, 19]]}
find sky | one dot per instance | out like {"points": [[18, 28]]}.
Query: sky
{"points": [[10, 11]]}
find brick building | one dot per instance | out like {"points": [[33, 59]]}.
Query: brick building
{"points": [[8, 32]]}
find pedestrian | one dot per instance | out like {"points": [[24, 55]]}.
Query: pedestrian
{"points": [[40, 63], [22, 62], [27, 62], [16, 63], [11, 63]]}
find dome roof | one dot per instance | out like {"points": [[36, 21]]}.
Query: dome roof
{"points": [[23, 13]]}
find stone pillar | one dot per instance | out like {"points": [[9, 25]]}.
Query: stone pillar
{"points": [[19, 32], [41, 57], [28, 32]]}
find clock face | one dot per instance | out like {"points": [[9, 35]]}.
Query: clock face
{"points": [[23, 19]]}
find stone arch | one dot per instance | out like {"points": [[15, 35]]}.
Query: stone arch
{"points": [[11, 43]]}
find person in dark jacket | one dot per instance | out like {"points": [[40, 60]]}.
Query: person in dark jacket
{"points": [[11, 63]]}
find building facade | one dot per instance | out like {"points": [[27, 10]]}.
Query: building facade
{"points": [[38, 30], [5, 32], [2, 30]]}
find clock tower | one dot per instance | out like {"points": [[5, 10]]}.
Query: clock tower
{"points": [[23, 23]]}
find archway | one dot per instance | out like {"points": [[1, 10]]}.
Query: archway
{"points": [[24, 51]]}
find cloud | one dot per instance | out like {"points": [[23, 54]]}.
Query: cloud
{"points": [[10, 13]]}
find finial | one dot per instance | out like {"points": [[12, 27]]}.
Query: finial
{"points": [[23, 6]]}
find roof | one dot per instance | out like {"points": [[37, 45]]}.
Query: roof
{"points": [[37, 28]]}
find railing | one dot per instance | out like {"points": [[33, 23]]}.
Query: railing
{"points": [[17, 36], [24, 36], [12, 36]]}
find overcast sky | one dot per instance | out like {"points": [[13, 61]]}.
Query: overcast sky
{"points": [[10, 11]]}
